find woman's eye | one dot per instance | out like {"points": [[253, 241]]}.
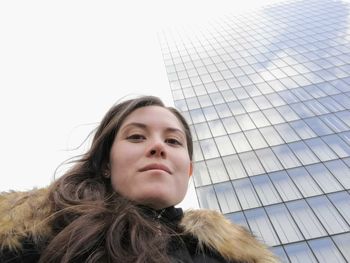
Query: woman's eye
{"points": [[173, 141], [136, 137]]}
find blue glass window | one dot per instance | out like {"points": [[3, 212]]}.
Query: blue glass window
{"points": [[285, 186], [300, 253], [324, 178], [283, 223], [246, 193], [308, 223], [326, 251], [217, 170], [200, 174], [261, 227], [265, 189], [343, 243], [207, 198], [328, 215], [321, 149], [338, 145], [304, 181], [318, 126], [340, 171], [226, 197], [341, 200]]}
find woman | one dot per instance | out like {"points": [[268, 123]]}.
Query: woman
{"points": [[116, 204]]}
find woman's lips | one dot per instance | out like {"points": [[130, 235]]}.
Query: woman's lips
{"points": [[155, 166]]}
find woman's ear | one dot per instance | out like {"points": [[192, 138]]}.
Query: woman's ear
{"points": [[190, 170]]}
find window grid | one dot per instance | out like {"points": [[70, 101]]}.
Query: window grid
{"points": [[263, 83]]}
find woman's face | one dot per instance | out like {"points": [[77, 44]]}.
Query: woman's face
{"points": [[149, 160]]}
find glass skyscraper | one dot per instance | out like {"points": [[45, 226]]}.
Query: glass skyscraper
{"points": [[267, 94]]}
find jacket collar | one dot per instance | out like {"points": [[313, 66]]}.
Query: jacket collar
{"points": [[25, 214]]}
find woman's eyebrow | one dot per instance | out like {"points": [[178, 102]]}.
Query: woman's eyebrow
{"points": [[144, 126]]}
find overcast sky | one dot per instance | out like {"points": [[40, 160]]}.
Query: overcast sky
{"points": [[64, 63]]}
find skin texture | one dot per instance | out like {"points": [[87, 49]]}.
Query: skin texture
{"points": [[149, 160]]}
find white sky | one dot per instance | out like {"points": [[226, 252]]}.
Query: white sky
{"points": [[64, 63]]}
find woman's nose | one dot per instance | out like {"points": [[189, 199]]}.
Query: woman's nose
{"points": [[157, 149]]}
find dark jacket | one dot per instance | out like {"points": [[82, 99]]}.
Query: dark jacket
{"points": [[208, 236]]}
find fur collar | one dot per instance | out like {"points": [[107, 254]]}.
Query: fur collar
{"points": [[25, 214]]}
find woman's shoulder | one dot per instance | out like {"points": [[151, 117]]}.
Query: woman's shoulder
{"points": [[217, 234]]}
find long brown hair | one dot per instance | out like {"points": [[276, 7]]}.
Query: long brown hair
{"points": [[92, 222]]}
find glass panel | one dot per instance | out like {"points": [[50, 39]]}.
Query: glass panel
{"points": [[197, 115], [340, 171], [330, 218], [275, 99], [262, 102], [207, 198], [246, 193], [344, 116], [201, 175], [265, 189], [304, 154], [324, 178], [249, 105], [205, 100], [302, 129], [234, 167], [271, 136], [197, 152], [261, 226], [304, 181], [325, 250], [259, 119], [322, 150], [217, 170], [318, 126], [330, 104], [283, 223], [300, 253], [255, 139], [231, 125], [240, 142], [285, 186], [286, 156], [302, 110], [236, 107], [245, 122], [341, 200], [337, 145], [308, 223], [227, 198], [286, 132], [209, 148], [225, 146], [210, 113], [334, 123], [273, 116], [216, 128], [316, 107], [287, 113], [343, 243], [223, 110], [251, 163], [288, 96], [269, 160], [192, 103], [202, 130]]}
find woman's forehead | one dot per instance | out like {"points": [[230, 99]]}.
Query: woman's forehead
{"points": [[153, 116]]}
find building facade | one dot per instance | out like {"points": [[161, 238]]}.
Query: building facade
{"points": [[267, 94]]}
